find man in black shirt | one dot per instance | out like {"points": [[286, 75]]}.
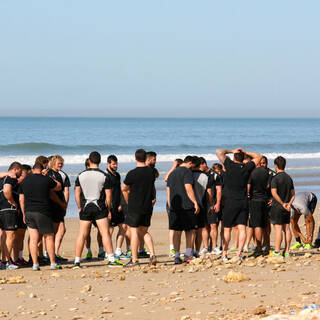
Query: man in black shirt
{"points": [[36, 190], [183, 207], [138, 192], [283, 194], [9, 207], [236, 211]]}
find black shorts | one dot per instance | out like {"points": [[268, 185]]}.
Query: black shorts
{"points": [[313, 203], [215, 218], [91, 212], [202, 217], [39, 221], [58, 216], [117, 217], [9, 219], [235, 212], [138, 220], [21, 224], [258, 212], [279, 215], [183, 220]]}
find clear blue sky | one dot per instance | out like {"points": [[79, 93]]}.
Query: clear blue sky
{"points": [[160, 58]]}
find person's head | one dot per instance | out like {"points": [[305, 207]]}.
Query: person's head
{"points": [[279, 163], [179, 162], [246, 158], [264, 162], [38, 167], [203, 164], [112, 163], [56, 162], [26, 170], [151, 159], [15, 168], [196, 163], [189, 162], [43, 160], [217, 167], [238, 156], [87, 163], [140, 155], [94, 158]]}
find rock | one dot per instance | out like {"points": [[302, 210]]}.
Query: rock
{"points": [[86, 288], [250, 264], [259, 310], [55, 275], [73, 309], [307, 255], [21, 293], [275, 260], [234, 276], [32, 295], [122, 277], [186, 317]]}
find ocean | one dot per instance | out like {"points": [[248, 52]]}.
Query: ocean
{"points": [[298, 140]]}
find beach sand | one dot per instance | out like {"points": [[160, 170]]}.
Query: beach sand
{"points": [[194, 291]]}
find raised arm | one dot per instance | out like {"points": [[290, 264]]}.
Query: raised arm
{"points": [[256, 157], [222, 154]]}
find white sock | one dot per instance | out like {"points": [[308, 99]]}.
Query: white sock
{"points": [[171, 247], [118, 251], [53, 264], [36, 265], [177, 254], [89, 250], [189, 252], [20, 254], [77, 260], [46, 254], [111, 257], [101, 250]]}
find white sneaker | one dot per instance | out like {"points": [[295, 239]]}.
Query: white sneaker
{"points": [[224, 258], [216, 251], [11, 266], [203, 251], [253, 249], [245, 249]]}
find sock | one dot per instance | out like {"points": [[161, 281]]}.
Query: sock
{"points": [[36, 265], [189, 252], [77, 260], [101, 250], [171, 247], [298, 239], [111, 257], [46, 254], [118, 251], [53, 265], [177, 254], [20, 254], [89, 250]]}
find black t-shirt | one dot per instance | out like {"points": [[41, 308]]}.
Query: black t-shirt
{"points": [[177, 180], [36, 189], [284, 184], [141, 182], [57, 176], [214, 180], [115, 183], [271, 175], [65, 180], [259, 180], [236, 179], [4, 204]]}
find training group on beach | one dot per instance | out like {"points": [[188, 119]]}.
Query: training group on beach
{"points": [[239, 196]]}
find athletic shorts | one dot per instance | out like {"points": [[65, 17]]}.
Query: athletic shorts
{"points": [[183, 220], [117, 217], [279, 215], [235, 212], [58, 216], [9, 220], [91, 213], [21, 224], [258, 213], [39, 221], [202, 218], [138, 220], [214, 218]]}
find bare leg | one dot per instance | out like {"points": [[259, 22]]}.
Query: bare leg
{"points": [[214, 234], [147, 239], [258, 236], [198, 239], [103, 227], [88, 239], [59, 236], [34, 240], [134, 240], [177, 240], [287, 232], [205, 236], [226, 240], [10, 238], [236, 236], [242, 237], [84, 227], [248, 236], [49, 239], [18, 243], [278, 237]]}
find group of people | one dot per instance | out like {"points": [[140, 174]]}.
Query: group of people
{"points": [[241, 194]]}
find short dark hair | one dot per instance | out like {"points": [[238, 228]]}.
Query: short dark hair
{"points": [[26, 167], [112, 157], [188, 159], [239, 156], [202, 160], [38, 165], [140, 155], [95, 157], [280, 162], [42, 159], [265, 159], [151, 154], [87, 163], [216, 166], [196, 161], [179, 161], [15, 165]]}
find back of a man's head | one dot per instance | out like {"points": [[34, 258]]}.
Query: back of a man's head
{"points": [[15, 165], [141, 155], [42, 159], [196, 162], [38, 166], [95, 157], [239, 156], [280, 162], [188, 159]]}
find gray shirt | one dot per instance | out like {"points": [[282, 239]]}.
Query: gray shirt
{"points": [[301, 203]]}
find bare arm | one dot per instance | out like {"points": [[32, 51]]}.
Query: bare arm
{"points": [[286, 206], [174, 166], [66, 194], [256, 157], [7, 192], [108, 201], [21, 201], [218, 198], [77, 195], [210, 200], [56, 199], [248, 189], [125, 191], [190, 193], [222, 154], [168, 196]]}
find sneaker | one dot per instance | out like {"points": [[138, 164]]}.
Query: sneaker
{"points": [[2, 266], [235, 250], [317, 243], [308, 246], [296, 246], [35, 268], [89, 255], [245, 249], [43, 261], [122, 256], [187, 259], [129, 254], [153, 261], [11, 266], [115, 263], [196, 255], [76, 265], [177, 261], [101, 255], [132, 264], [172, 253], [203, 251], [55, 267], [60, 259], [216, 251], [256, 254], [22, 262], [286, 255], [224, 258], [252, 249], [272, 253], [143, 254]]}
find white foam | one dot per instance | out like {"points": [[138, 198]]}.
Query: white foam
{"points": [[127, 158]]}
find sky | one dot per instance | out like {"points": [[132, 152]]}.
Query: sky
{"points": [[160, 58]]}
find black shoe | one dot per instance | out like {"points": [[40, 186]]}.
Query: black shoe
{"points": [[187, 259], [177, 261], [43, 261], [143, 254], [317, 243], [60, 259], [76, 265], [132, 264]]}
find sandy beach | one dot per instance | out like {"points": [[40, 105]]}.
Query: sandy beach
{"points": [[194, 291]]}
